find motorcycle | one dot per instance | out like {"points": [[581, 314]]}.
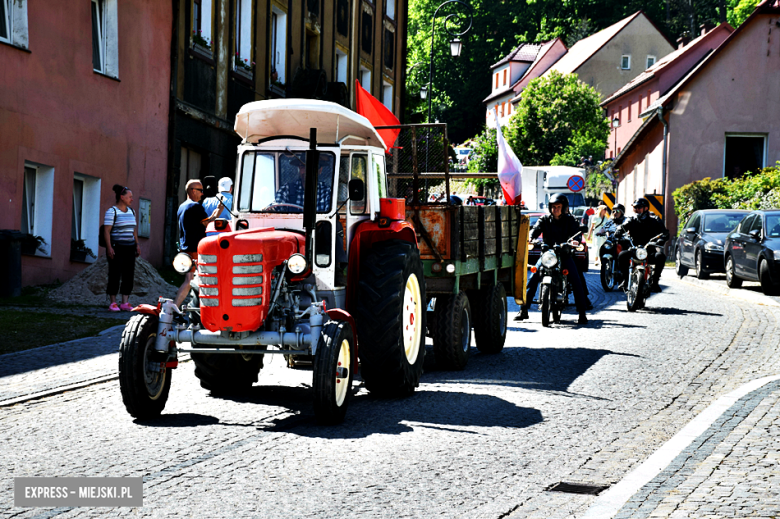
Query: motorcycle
{"points": [[608, 254], [640, 275], [555, 287]]}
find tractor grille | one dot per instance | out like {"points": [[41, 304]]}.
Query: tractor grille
{"points": [[247, 280], [207, 285]]}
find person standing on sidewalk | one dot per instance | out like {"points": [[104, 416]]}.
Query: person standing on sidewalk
{"points": [[121, 234], [597, 222], [193, 221]]}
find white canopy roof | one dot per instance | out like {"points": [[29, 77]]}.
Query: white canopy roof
{"points": [[262, 119]]}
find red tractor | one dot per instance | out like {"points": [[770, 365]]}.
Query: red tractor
{"points": [[316, 265]]}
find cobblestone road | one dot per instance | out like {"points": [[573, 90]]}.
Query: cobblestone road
{"points": [[567, 403]]}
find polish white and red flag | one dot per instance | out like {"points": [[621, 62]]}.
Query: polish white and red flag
{"points": [[510, 171]]}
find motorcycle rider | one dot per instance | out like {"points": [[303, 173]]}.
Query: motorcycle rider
{"points": [[642, 227], [557, 227]]}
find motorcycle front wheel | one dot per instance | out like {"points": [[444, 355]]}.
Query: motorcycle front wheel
{"points": [[636, 291], [607, 275], [546, 304], [557, 306]]}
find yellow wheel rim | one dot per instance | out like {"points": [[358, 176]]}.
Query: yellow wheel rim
{"points": [[342, 384], [411, 324]]}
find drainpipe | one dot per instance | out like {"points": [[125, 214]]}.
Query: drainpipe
{"points": [[171, 200], [663, 161]]}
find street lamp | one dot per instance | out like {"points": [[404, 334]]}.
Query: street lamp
{"points": [[410, 74], [423, 92], [615, 124], [456, 46]]}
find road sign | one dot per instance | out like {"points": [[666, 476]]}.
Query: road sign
{"points": [[575, 183], [656, 205], [609, 199]]}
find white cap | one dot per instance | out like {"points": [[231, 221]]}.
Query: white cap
{"points": [[225, 183]]}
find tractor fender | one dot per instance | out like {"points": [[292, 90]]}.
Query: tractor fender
{"points": [[147, 309], [366, 235], [343, 315]]}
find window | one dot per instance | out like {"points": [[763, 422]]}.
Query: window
{"points": [[278, 44], [358, 170], [620, 115], [202, 15], [746, 223], [105, 48], [648, 99], [243, 52], [367, 32], [505, 71], [341, 67], [13, 22], [365, 78], [190, 168], [342, 17], [758, 224], [744, 153], [509, 108], [503, 106], [639, 105], [387, 95], [650, 61], [496, 80], [390, 9], [85, 216], [389, 48], [37, 203], [625, 62]]}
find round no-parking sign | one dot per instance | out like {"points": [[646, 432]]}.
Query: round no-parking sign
{"points": [[575, 183]]}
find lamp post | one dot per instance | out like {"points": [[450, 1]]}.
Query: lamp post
{"points": [[615, 124], [456, 46], [423, 88]]}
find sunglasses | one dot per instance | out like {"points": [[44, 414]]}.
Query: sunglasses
{"points": [[197, 189]]}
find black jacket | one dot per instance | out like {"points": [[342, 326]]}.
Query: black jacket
{"points": [[556, 231], [642, 228]]}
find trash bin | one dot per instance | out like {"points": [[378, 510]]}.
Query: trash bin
{"points": [[10, 263]]}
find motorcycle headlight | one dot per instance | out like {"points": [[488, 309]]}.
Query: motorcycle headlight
{"points": [[296, 264], [182, 263], [713, 247], [608, 245], [549, 259], [641, 254], [580, 248]]}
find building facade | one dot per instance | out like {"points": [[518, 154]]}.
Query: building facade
{"points": [[721, 120], [227, 53], [84, 106], [624, 106]]}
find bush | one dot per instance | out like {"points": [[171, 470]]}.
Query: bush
{"points": [[752, 191]]}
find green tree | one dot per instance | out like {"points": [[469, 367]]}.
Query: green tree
{"points": [[739, 10], [558, 118], [484, 159]]}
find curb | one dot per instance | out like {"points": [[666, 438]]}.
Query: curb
{"points": [[611, 502]]}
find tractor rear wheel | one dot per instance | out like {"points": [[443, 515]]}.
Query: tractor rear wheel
{"points": [[144, 383], [391, 314], [227, 372], [490, 317]]}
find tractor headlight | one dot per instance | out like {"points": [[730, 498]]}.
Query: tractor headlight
{"points": [[580, 248], [182, 263], [297, 264], [549, 259], [641, 254]]}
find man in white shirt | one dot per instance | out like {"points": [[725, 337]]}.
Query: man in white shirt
{"points": [[225, 187]]}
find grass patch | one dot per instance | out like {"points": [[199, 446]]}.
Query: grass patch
{"points": [[25, 330]]}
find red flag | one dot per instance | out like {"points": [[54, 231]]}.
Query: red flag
{"points": [[377, 114]]}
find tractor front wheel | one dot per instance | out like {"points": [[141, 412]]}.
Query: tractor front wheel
{"points": [[391, 314], [334, 365], [144, 383]]}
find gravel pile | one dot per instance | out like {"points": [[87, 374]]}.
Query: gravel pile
{"points": [[89, 286]]}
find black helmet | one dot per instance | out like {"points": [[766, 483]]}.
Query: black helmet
{"points": [[641, 202], [619, 209], [558, 198]]}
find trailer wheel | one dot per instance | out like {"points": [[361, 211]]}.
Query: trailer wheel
{"points": [[227, 372], [490, 318], [334, 365], [144, 384], [391, 314], [452, 336]]}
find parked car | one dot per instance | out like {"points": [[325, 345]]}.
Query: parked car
{"points": [[752, 251], [482, 200], [701, 242]]}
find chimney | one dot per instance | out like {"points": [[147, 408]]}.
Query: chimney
{"points": [[706, 27], [683, 40]]}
